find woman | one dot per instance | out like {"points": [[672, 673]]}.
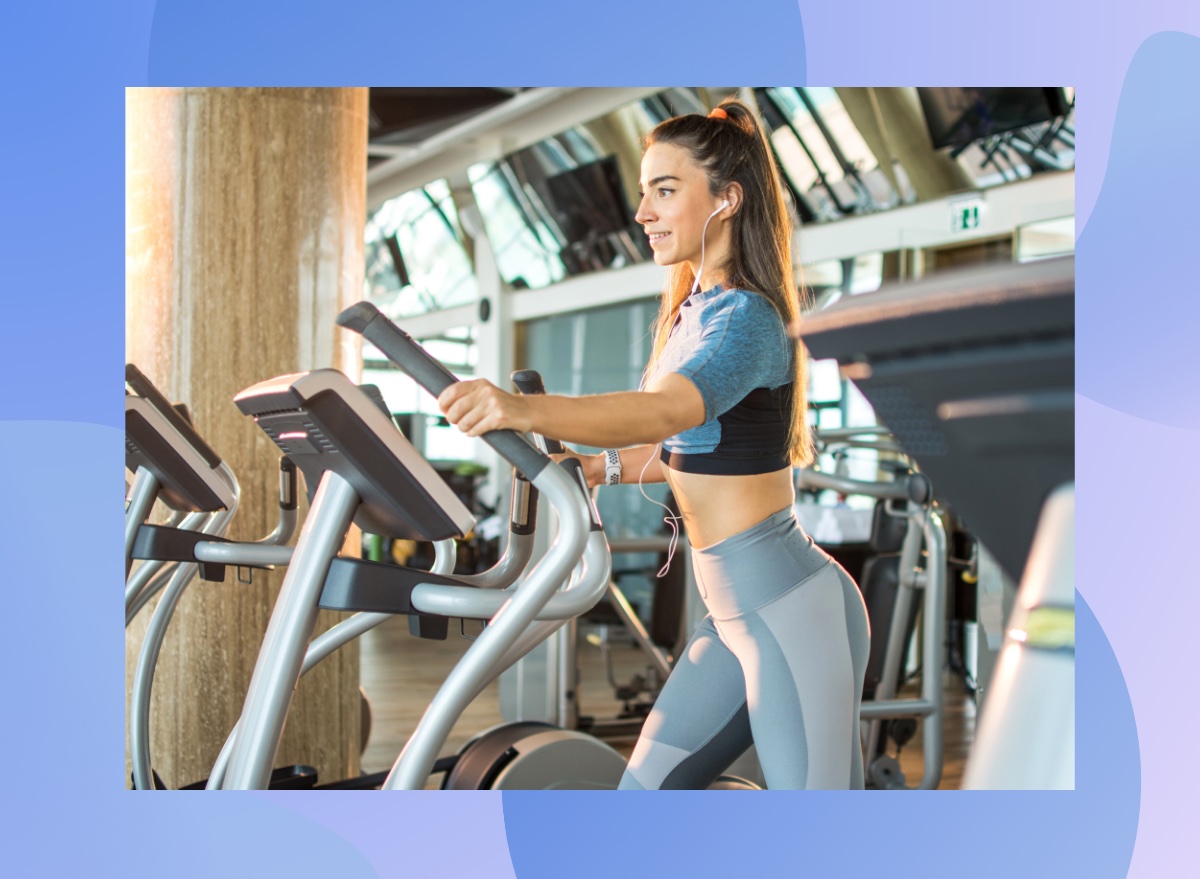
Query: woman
{"points": [[779, 660]]}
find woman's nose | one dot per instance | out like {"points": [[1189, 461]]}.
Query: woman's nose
{"points": [[643, 215]]}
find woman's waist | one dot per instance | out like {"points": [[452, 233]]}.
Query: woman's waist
{"points": [[715, 508], [757, 565]]}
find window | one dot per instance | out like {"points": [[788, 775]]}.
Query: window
{"points": [[415, 260]]}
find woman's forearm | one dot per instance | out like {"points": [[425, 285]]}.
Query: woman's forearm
{"points": [[609, 420], [672, 405], [634, 462]]}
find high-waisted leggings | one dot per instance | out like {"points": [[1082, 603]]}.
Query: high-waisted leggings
{"points": [[777, 663]]}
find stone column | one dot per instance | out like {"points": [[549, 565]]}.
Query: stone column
{"points": [[244, 239]]}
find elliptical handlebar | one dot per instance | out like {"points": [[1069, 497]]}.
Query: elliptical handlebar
{"points": [[529, 382], [399, 347]]}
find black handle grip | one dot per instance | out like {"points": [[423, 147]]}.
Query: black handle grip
{"points": [[287, 483], [145, 389], [400, 348], [529, 382]]}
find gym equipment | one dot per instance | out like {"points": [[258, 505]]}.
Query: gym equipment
{"points": [[905, 521], [974, 374], [173, 464], [365, 471]]}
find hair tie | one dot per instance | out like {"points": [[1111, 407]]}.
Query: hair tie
{"points": [[718, 113]]}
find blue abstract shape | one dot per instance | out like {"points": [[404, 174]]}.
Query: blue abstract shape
{"points": [[413, 833], [1088, 832], [1136, 282], [381, 42], [62, 172], [66, 811]]}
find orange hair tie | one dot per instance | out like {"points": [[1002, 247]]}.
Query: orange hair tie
{"points": [[718, 113]]}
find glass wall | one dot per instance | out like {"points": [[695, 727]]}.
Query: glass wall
{"points": [[595, 352]]}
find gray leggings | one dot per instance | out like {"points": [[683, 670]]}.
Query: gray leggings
{"points": [[778, 662]]}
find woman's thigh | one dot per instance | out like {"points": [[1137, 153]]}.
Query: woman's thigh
{"points": [[699, 724], [803, 657]]}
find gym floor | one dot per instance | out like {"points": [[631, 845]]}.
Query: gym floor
{"points": [[400, 675]]}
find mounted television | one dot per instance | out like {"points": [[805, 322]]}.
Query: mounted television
{"points": [[588, 201], [957, 117]]}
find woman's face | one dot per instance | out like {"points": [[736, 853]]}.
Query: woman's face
{"points": [[675, 203]]}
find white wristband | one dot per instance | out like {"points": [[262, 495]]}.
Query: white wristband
{"points": [[612, 467]]}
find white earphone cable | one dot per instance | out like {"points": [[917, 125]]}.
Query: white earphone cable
{"points": [[671, 519]]}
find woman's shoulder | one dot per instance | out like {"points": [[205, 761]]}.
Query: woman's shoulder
{"points": [[745, 306]]}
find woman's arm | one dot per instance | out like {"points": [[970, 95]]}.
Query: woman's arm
{"points": [[669, 406], [633, 462]]}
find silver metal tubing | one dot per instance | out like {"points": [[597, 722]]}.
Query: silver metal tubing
{"points": [[932, 658], [155, 586], [412, 768], [143, 678], [212, 523], [471, 603], [285, 525], [592, 574], [226, 473], [620, 604], [815, 479], [322, 646], [281, 658], [243, 553], [217, 777], [929, 526], [897, 641], [505, 572], [596, 574], [876, 709], [879, 445], [445, 555], [360, 623], [141, 502], [829, 434]]}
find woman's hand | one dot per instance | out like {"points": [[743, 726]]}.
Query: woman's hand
{"points": [[478, 406], [593, 466]]}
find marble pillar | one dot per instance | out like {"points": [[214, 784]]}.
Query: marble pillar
{"points": [[244, 239]]}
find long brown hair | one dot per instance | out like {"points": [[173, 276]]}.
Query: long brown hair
{"points": [[734, 149]]}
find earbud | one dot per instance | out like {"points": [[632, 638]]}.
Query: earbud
{"points": [[696, 285], [724, 204]]}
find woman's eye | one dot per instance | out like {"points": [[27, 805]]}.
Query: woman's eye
{"points": [[663, 192]]}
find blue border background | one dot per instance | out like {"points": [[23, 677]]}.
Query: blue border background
{"points": [[61, 243]]}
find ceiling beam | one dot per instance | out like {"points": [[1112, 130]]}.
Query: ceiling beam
{"points": [[523, 120]]}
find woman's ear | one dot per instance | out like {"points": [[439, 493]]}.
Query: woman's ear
{"points": [[733, 195]]}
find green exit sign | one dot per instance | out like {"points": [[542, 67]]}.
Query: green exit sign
{"points": [[964, 215]]}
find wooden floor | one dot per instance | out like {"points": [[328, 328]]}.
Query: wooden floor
{"points": [[400, 675]]}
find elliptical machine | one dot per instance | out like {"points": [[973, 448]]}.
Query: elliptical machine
{"points": [[171, 463], [365, 471]]}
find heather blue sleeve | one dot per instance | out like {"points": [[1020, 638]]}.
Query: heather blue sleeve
{"points": [[742, 346]]}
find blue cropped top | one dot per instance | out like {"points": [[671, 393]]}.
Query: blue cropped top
{"points": [[732, 345]]}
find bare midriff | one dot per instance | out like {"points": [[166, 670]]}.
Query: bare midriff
{"points": [[716, 507]]}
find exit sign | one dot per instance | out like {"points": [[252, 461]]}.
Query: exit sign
{"points": [[964, 215]]}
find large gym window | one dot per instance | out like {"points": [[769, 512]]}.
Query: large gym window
{"points": [[415, 260]]}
